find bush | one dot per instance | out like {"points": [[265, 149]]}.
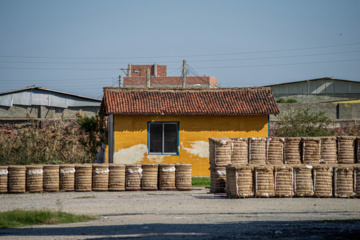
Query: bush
{"points": [[303, 123], [289, 100]]}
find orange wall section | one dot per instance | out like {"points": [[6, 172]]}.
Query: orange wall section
{"points": [[131, 136]]}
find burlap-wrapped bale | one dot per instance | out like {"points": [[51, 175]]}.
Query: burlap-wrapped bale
{"points": [[100, 177], [133, 177], [149, 179], [284, 177], [303, 181], [51, 178], [239, 151], [34, 178], [167, 176], [17, 179], [344, 181], [4, 172], [183, 177], [83, 177], [328, 150], [217, 179], [264, 181], [116, 177], [231, 181], [257, 150], [220, 154], [323, 181], [311, 150], [292, 150], [357, 181], [240, 183], [67, 177], [346, 149], [275, 150]]}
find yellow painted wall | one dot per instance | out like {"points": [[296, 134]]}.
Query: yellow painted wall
{"points": [[130, 137]]}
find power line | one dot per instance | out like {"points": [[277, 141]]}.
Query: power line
{"points": [[186, 56]]}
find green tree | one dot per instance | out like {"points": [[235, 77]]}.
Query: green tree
{"points": [[303, 123]]}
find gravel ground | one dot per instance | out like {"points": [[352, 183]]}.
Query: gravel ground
{"points": [[195, 214]]}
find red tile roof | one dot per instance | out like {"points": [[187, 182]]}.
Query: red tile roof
{"points": [[220, 101]]}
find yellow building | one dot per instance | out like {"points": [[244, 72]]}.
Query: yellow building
{"points": [[174, 125]]}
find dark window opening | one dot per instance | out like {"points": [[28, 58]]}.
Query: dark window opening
{"points": [[163, 137]]}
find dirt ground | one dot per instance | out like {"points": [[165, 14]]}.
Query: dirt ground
{"points": [[195, 214]]}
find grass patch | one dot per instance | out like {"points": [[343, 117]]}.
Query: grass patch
{"points": [[200, 182], [20, 218]]}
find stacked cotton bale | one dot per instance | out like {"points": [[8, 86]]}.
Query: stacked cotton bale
{"points": [[328, 150], [357, 180], [264, 181], [303, 181], [239, 151], [51, 178], [34, 178], [133, 177], [323, 181], [167, 176], [346, 150], [292, 150], [231, 181], [67, 177], [245, 184], [100, 177], [217, 179], [4, 179], [220, 156], [116, 177], [275, 151], [17, 179], [83, 177], [284, 178], [183, 177], [257, 153], [149, 179], [344, 181], [311, 150]]}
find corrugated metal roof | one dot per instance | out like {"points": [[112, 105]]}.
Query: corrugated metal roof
{"points": [[309, 80]]}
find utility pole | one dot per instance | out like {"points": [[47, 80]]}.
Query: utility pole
{"points": [[119, 81], [129, 70], [148, 78], [184, 74]]}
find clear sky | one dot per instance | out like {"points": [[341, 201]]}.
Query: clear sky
{"points": [[78, 46]]}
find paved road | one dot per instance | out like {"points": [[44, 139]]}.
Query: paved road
{"points": [[194, 214]]}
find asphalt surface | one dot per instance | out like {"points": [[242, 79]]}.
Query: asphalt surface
{"points": [[195, 214]]}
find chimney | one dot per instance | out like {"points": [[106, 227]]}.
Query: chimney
{"points": [[155, 69]]}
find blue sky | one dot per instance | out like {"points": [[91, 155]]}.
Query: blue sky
{"points": [[79, 46]]}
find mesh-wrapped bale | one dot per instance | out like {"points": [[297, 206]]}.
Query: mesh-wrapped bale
{"points": [[83, 177], [323, 181], [4, 172], [51, 178], [239, 181], [311, 150], [239, 151], [357, 181], [275, 150], [346, 150], [100, 177], [284, 178], [67, 177], [149, 179], [303, 181], [220, 155], [231, 181], [292, 150], [264, 181], [17, 179], [217, 179], [183, 177], [34, 178], [133, 175], [167, 176], [116, 177], [328, 150], [257, 153], [344, 181]]}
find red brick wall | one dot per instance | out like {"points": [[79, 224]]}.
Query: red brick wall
{"points": [[140, 70], [170, 81]]}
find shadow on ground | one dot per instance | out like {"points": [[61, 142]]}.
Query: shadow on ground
{"points": [[342, 229]]}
